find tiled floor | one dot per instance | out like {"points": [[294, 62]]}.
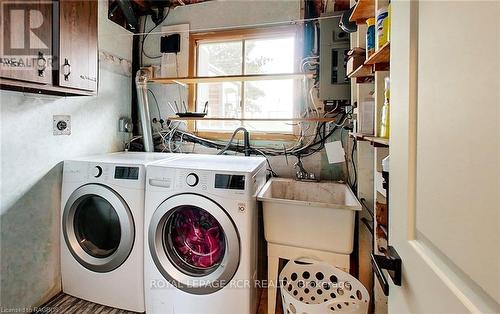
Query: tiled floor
{"points": [[63, 303]]}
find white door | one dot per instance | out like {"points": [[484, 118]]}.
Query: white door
{"points": [[445, 156]]}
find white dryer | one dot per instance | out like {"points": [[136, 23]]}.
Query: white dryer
{"points": [[102, 219], [201, 234]]}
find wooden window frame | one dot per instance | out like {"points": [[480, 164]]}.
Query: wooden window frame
{"points": [[240, 34]]}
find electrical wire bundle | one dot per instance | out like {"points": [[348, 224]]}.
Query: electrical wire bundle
{"points": [[172, 135]]}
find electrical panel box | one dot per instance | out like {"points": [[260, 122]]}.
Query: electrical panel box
{"points": [[334, 45]]}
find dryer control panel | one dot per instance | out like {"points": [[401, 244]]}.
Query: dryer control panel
{"points": [[123, 175]]}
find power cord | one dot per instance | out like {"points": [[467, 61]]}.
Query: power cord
{"points": [[156, 102], [143, 53]]}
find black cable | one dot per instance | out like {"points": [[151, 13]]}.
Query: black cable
{"points": [[354, 148], [305, 151], [270, 168], [149, 32], [156, 101], [346, 158], [309, 149], [322, 140]]}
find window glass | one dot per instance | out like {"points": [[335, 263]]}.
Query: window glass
{"points": [[270, 55], [269, 99], [220, 58], [251, 99], [224, 101]]}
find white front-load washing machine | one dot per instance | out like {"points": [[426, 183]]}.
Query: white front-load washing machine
{"points": [[102, 220], [201, 234]]}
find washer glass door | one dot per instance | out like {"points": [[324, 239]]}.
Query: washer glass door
{"points": [[194, 239], [194, 243], [98, 227]]}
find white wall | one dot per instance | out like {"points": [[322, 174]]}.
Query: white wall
{"points": [[31, 166], [213, 15]]}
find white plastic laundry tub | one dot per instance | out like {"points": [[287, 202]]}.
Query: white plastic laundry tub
{"points": [[312, 215]]}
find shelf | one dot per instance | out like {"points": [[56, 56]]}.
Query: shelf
{"points": [[363, 74], [381, 141], [364, 10], [363, 70], [379, 61], [375, 140], [357, 136], [253, 119], [381, 56], [228, 78]]}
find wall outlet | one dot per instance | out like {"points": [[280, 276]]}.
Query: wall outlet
{"points": [[61, 125], [125, 125]]}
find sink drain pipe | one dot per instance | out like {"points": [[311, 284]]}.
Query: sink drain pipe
{"points": [[141, 80]]}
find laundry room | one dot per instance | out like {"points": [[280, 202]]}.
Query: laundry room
{"points": [[249, 156]]}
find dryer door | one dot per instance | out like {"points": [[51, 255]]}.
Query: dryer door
{"points": [[194, 243], [98, 227]]}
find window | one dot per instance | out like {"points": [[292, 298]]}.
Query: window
{"points": [[244, 53]]}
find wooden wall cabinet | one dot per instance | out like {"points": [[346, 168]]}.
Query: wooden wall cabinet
{"points": [[49, 47], [78, 55], [26, 56]]}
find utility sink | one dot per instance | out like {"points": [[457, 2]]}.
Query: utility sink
{"points": [[312, 215]]}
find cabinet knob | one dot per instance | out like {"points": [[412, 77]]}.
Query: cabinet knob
{"points": [[66, 69], [41, 64]]}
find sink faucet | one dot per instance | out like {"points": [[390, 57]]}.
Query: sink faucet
{"points": [[302, 174]]}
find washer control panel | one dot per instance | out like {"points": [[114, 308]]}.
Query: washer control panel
{"points": [[195, 180], [211, 182], [192, 179]]}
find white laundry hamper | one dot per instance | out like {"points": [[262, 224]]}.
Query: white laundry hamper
{"points": [[313, 287]]}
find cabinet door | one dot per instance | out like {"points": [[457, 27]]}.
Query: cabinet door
{"points": [[26, 41], [78, 44]]}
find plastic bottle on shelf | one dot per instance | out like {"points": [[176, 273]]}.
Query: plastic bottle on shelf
{"points": [[382, 27], [385, 119], [389, 22], [370, 37]]}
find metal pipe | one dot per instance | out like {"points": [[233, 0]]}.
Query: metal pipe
{"points": [[141, 79], [246, 141]]}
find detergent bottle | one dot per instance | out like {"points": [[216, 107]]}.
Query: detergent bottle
{"points": [[385, 119]]}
